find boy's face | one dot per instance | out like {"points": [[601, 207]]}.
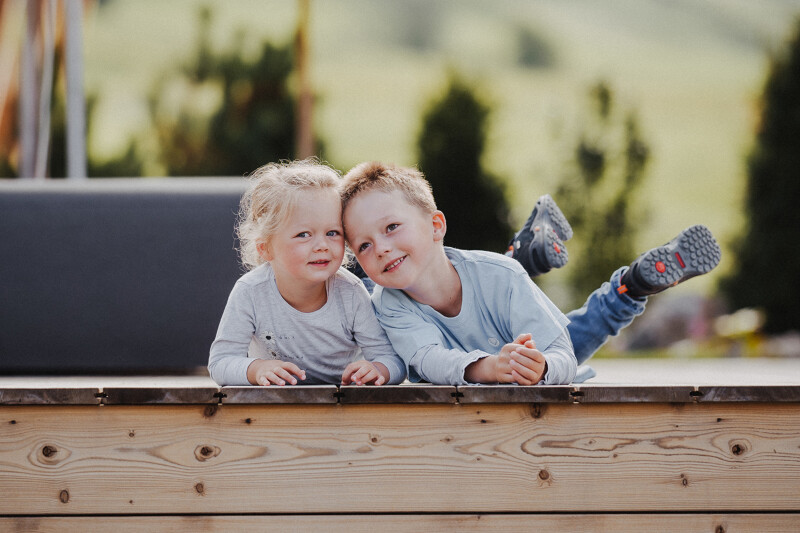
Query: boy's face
{"points": [[393, 240], [308, 246]]}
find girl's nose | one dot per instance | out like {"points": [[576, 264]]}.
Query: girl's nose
{"points": [[321, 244]]}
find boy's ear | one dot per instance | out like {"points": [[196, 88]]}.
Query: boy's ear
{"points": [[439, 226], [264, 250]]}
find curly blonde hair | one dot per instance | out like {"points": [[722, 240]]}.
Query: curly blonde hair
{"points": [[270, 197]]}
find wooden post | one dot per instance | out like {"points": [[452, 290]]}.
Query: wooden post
{"points": [[45, 90], [27, 93], [304, 121], [76, 104]]}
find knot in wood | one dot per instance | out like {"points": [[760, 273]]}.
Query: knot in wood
{"points": [[719, 529], [739, 448], [64, 496], [204, 452], [544, 475], [210, 411], [200, 488], [49, 451]]}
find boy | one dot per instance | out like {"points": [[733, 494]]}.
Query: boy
{"points": [[448, 312]]}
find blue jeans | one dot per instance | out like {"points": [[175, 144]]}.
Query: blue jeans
{"points": [[604, 314]]}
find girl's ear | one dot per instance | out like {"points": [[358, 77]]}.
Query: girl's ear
{"points": [[439, 226], [264, 250]]}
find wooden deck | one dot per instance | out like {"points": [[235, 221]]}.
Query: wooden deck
{"points": [[677, 445]]}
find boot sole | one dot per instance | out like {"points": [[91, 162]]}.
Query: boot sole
{"points": [[555, 251], [695, 251], [555, 218]]}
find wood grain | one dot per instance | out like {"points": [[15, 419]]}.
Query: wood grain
{"points": [[498, 458], [711, 523]]}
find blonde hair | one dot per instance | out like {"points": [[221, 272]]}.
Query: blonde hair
{"points": [[270, 198], [387, 178]]}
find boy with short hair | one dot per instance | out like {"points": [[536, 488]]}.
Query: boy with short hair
{"points": [[458, 317]]}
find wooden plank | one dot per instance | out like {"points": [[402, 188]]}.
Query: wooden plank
{"points": [[634, 393], [397, 394], [325, 394], [50, 396], [304, 394], [159, 395], [713, 523], [399, 458], [754, 393], [515, 394]]}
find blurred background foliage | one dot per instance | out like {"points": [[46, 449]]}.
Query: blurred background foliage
{"points": [[638, 116], [767, 266], [450, 150], [598, 192]]}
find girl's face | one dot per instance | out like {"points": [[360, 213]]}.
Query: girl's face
{"points": [[308, 247]]}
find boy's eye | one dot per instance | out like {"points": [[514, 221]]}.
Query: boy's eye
{"points": [[363, 247], [334, 233], [391, 227], [303, 234]]}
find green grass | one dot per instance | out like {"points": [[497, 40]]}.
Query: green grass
{"points": [[692, 70]]}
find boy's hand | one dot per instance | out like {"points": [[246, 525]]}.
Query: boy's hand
{"points": [[364, 372], [503, 369], [527, 364], [274, 372], [496, 368]]}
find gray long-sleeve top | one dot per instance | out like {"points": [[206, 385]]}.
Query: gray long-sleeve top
{"points": [[259, 323]]}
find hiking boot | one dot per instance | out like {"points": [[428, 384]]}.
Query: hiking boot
{"points": [[693, 252], [539, 245]]}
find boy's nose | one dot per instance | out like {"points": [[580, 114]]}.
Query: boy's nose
{"points": [[382, 246]]}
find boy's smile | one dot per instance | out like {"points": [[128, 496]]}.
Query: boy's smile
{"points": [[395, 242]]}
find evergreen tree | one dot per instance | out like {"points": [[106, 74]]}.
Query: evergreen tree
{"points": [[597, 193], [253, 123], [450, 149], [768, 255]]}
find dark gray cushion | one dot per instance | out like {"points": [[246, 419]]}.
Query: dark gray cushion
{"points": [[114, 275]]}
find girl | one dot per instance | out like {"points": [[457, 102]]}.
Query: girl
{"points": [[296, 316]]}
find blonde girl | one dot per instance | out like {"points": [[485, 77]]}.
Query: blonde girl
{"points": [[297, 316]]}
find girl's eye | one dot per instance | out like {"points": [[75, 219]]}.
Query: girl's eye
{"points": [[334, 233], [363, 247], [303, 234], [391, 227]]}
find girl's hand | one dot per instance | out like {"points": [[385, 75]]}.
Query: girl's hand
{"points": [[528, 364], [364, 372], [274, 372]]}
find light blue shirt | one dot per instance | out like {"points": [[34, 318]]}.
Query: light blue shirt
{"points": [[498, 302]]}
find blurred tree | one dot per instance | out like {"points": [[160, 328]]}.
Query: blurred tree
{"points": [[449, 150], [597, 193], [232, 115], [533, 51], [768, 254], [220, 115], [127, 164], [419, 23]]}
